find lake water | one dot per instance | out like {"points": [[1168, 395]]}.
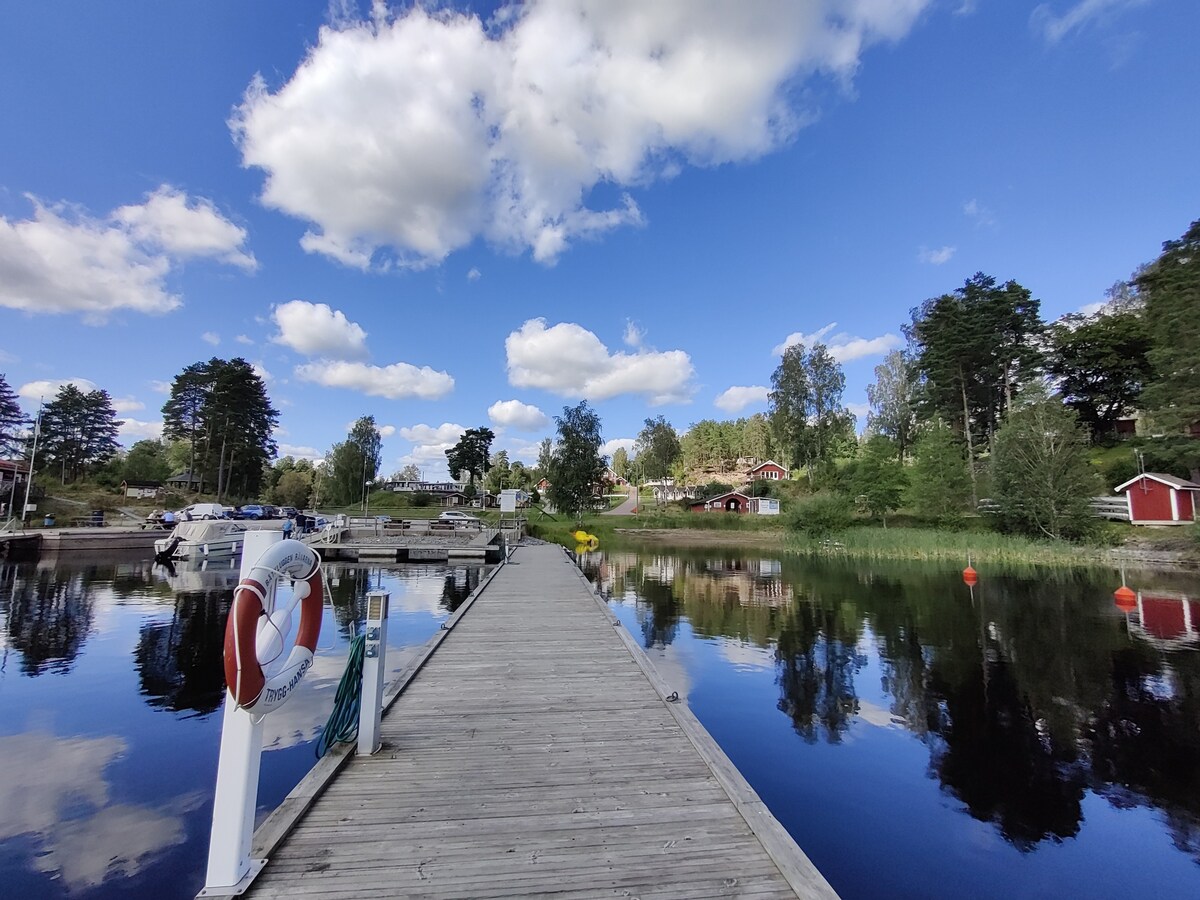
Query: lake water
{"points": [[919, 738], [922, 738], [111, 688]]}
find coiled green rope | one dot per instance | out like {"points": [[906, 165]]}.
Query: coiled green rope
{"points": [[343, 721]]}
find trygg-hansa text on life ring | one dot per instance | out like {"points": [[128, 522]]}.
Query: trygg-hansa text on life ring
{"points": [[255, 633]]}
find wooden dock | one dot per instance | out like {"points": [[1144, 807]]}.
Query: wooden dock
{"points": [[533, 753], [385, 544]]}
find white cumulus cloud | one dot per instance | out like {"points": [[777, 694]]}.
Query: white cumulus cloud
{"points": [[133, 430], [299, 451], [446, 433], [568, 360], [47, 389], [430, 443], [515, 414], [395, 382], [127, 404], [611, 447], [841, 346], [211, 337], [186, 228], [315, 329], [63, 260], [938, 257], [385, 430], [736, 398], [407, 136]]}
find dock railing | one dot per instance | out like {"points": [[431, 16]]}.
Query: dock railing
{"points": [[1113, 508]]}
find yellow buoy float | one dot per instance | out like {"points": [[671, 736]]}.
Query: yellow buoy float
{"points": [[585, 541]]}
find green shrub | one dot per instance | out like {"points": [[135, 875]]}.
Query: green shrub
{"points": [[1118, 471], [822, 515]]}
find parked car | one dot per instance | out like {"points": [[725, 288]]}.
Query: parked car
{"points": [[271, 512], [199, 511], [288, 512], [458, 516], [253, 511]]}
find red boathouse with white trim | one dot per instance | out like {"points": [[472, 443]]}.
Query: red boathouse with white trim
{"points": [[1157, 499]]}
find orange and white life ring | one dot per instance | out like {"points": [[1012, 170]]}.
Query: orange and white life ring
{"points": [[256, 629]]}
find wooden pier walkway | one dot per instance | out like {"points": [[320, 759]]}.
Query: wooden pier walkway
{"points": [[534, 755]]}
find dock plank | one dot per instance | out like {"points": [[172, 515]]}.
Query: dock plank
{"points": [[533, 755]]}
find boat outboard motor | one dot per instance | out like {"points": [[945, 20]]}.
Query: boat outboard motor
{"points": [[165, 555]]}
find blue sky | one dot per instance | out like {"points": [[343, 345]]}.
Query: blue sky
{"points": [[460, 215]]}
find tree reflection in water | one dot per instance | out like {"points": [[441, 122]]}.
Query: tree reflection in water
{"points": [[179, 662], [817, 663], [47, 617], [457, 586], [1028, 690]]}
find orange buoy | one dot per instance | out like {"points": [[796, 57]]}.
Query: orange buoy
{"points": [[1124, 599], [970, 576]]}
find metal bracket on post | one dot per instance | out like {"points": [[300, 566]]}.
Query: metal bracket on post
{"points": [[370, 708], [230, 868]]}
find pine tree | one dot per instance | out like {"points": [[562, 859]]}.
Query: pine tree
{"points": [[12, 420], [973, 349], [1171, 287], [471, 454], [222, 410], [79, 431]]}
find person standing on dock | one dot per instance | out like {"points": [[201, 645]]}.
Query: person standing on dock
{"points": [[287, 528]]}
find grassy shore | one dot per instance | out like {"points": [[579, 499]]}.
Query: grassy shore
{"points": [[972, 540]]}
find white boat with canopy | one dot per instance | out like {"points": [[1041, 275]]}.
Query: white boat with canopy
{"points": [[202, 540]]}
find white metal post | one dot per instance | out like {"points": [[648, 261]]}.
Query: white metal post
{"points": [[230, 868], [370, 708]]}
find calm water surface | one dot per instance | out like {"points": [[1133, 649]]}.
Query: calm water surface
{"points": [[919, 738], [1024, 738], [111, 688]]}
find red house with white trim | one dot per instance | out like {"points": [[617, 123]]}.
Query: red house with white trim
{"points": [[730, 501], [769, 470], [737, 502], [1168, 617], [1157, 499]]}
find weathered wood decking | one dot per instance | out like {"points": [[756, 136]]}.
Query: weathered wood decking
{"points": [[534, 755]]}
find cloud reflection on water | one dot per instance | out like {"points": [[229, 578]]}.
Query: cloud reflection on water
{"points": [[54, 790]]}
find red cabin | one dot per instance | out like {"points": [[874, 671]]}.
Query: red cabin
{"points": [[1156, 499], [733, 501], [769, 470]]}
